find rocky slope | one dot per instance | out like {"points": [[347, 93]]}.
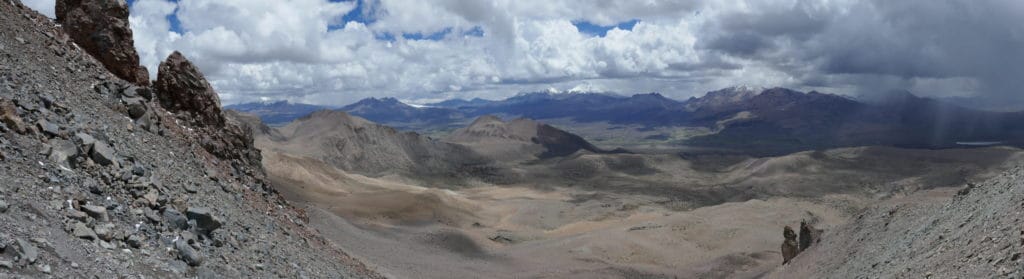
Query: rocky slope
{"points": [[101, 180], [976, 233]]}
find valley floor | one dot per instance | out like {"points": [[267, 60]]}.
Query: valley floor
{"points": [[536, 231]]}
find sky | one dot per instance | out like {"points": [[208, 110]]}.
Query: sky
{"points": [[419, 51]]}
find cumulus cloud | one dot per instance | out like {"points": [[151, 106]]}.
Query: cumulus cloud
{"points": [[313, 50]]}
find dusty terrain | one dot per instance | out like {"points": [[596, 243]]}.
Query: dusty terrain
{"points": [[589, 215]]}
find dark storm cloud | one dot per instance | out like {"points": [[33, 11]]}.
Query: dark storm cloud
{"points": [[877, 45]]}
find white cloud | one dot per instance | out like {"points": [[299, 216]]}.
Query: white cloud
{"points": [[302, 51]]}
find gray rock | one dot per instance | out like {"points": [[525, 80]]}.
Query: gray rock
{"points": [[175, 219], [131, 91], [4, 206], [84, 232], [135, 241], [187, 254], [105, 231], [6, 264], [148, 122], [48, 128], [76, 215], [205, 221], [86, 140], [44, 269], [136, 107], [28, 251], [151, 215], [97, 212], [144, 92], [138, 170], [63, 152], [107, 245], [102, 154]]}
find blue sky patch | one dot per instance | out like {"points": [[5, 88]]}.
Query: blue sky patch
{"points": [[588, 28], [433, 37]]}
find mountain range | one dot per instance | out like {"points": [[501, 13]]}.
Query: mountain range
{"points": [[765, 122]]}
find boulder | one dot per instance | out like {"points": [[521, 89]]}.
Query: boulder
{"points": [[105, 231], [86, 141], [9, 116], [205, 221], [63, 152], [175, 219], [187, 254], [135, 241], [84, 232], [136, 107], [96, 212], [101, 28], [789, 246], [102, 154], [49, 128], [27, 251], [181, 88]]}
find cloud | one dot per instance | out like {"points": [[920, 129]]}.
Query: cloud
{"points": [[313, 51]]}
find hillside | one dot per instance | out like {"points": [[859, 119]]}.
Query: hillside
{"points": [[517, 138], [971, 233], [355, 144], [109, 178]]}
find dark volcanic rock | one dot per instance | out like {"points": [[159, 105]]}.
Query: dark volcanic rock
{"points": [[175, 219], [101, 28], [205, 221], [181, 88], [102, 154]]}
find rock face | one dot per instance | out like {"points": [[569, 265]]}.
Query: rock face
{"points": [[789, 246], [101, 28]]}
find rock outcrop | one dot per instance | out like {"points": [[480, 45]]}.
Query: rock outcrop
{"points": [[808, 235], [101, 28], [182, 89], [789, 245]]}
